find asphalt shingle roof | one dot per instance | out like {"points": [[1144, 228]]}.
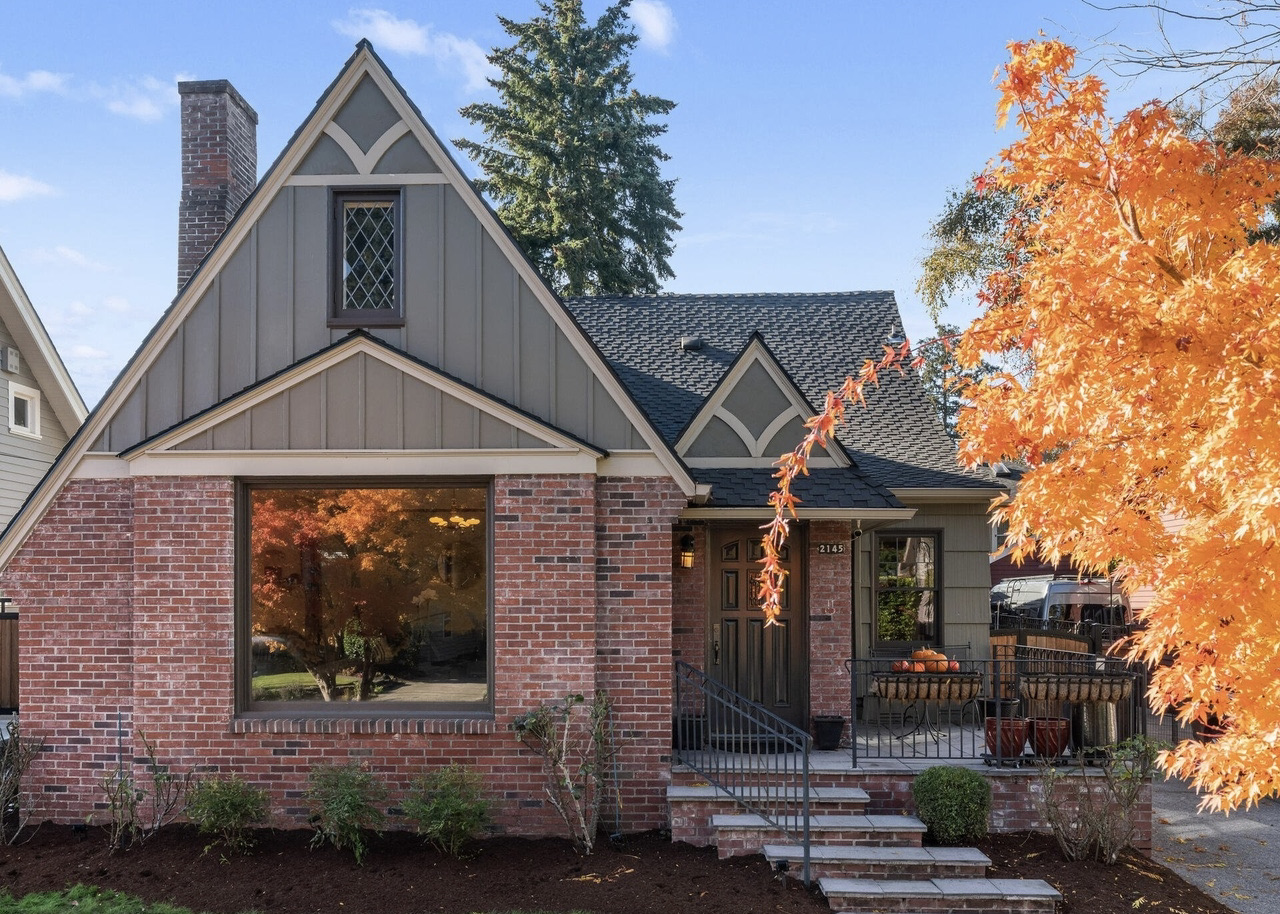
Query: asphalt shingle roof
{"points": [[817, 338]]}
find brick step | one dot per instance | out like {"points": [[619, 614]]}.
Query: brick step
{"points": [[873, 862], [736, 835], [940, 896]]}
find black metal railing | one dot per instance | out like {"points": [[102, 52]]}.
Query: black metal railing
{"points": [[755, 757], [1023, 703]]}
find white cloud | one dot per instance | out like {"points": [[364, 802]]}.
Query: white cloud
{"points": [[654, 22], [117, 303], [34, 81], [64, 254], [19, 187], [408, 37], [144, 99], [82, 351]]}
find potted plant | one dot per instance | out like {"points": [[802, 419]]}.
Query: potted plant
{"points": [[827, 730]]}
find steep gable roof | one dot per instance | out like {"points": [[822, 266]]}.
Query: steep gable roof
{"points": [[20, 318], [817, 338], [363, 131]]}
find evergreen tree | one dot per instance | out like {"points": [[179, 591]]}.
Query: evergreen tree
{"points": [[570, 157], [943, 379]]}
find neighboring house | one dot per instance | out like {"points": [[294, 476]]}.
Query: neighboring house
{"points": [[40, 409], [369, 490]]}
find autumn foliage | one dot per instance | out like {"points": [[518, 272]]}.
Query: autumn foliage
{"points": [[1143, 298]]}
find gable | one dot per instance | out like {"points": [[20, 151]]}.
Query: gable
{"points": [[360, 395], [755, 415], [473, 306]]}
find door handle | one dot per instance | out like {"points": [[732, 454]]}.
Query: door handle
{"points": [[715, 646]]}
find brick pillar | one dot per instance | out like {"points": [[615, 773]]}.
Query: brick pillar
{"points": [[219, 166]]}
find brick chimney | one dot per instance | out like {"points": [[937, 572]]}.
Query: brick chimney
{"points": [[219, 166]]}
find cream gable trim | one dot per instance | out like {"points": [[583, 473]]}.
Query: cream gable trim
{"points": [[290, 378], [362, 63], [754, 353], [365, 162], [378, 180]]}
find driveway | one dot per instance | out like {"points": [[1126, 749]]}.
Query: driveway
{"points": [[1235, 858]]}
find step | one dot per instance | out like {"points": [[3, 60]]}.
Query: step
{"points": [[824, 799], [740, 834], [874, 862], [970, 896]]}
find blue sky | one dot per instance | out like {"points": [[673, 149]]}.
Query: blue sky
{"points": [[812, 141]]}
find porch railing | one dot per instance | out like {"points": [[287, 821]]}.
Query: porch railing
{"points": [[755, 757], [1079, 703]]}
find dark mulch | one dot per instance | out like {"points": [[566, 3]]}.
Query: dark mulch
{"points": [[642, 874]]}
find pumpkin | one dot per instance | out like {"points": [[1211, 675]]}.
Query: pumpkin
{"points": [[901, 666], [917, 667], [937, 663]]}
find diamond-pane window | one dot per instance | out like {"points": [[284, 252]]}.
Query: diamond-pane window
{"points": [[365, 259], [369, 255]]}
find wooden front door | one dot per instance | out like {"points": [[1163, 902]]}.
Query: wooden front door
{"points": [[764, 663]]}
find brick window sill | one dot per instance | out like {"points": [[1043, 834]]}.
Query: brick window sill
{"points": [[372, 726]]}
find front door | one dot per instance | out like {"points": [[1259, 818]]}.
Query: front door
{"points": [[764, 663]]}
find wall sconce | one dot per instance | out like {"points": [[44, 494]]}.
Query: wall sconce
{"points": [[686, 550]]}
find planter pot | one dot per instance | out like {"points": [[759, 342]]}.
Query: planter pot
{"points": [[1050, 735], [1009, 740], [827, 730]]}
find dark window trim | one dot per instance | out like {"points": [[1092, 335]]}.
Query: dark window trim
{"points": [[242, 651], [352, 317], [939, 636]]}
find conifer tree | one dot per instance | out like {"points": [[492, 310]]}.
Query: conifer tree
{"points": [[570, 157]]}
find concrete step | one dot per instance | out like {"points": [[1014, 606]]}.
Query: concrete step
{"points": [[736, 835], [935, 896], [822, 799], [874, 862]]}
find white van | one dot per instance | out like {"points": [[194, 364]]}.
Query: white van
{"points": [[1044, 601]]}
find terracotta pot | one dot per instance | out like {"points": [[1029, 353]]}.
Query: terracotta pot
{"points": [[1013, 736], [1050, 735]]}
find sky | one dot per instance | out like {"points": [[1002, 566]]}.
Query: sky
{"points": [[812, 141]]}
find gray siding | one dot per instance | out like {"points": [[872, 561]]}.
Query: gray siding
{"points": [[966, 575], [24, 460], [467, 312], [361, 403]]}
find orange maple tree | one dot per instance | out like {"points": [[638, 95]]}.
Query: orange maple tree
{"points": [[1145, 301]]}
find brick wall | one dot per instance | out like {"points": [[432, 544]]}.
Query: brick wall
{"points": [[126, 590], [830, 618]]}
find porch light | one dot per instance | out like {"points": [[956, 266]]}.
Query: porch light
{"points": [[686, 550]]}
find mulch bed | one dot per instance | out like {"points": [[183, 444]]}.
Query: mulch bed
{"points": [[640, 874]]}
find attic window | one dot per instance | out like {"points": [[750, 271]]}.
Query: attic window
{"points": [[366, 259], [24, 411]]}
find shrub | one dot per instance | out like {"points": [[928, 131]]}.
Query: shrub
{"points": [[17, 755], [1097, 817], [226, 808], [953, 802], [577, 757], [343, 800], [447, 807]]}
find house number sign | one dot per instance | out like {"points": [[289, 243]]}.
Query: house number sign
{"points": [[830, 548]]}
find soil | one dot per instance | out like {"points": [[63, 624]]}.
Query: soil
{"points": [[640, 874]]}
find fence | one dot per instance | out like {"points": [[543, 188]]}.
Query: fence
{"points": [[1025, 702]]}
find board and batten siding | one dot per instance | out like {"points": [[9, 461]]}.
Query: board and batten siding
{"points": [[23, 459], [965, 569], [468, 312]]}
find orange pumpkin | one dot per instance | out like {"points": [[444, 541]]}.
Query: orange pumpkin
{"points": [[917, 667], [901, 666], [937, 663]]}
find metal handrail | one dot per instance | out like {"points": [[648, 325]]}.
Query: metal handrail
{"points": [[741, 748]]}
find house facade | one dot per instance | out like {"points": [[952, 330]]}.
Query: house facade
{"points": [[40, 409], [369, 491]]}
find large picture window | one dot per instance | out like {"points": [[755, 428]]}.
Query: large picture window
{"points": [[907, 588], [374, 597]]}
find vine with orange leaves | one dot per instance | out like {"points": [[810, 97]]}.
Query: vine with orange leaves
{"points": [[1145, 297]]}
